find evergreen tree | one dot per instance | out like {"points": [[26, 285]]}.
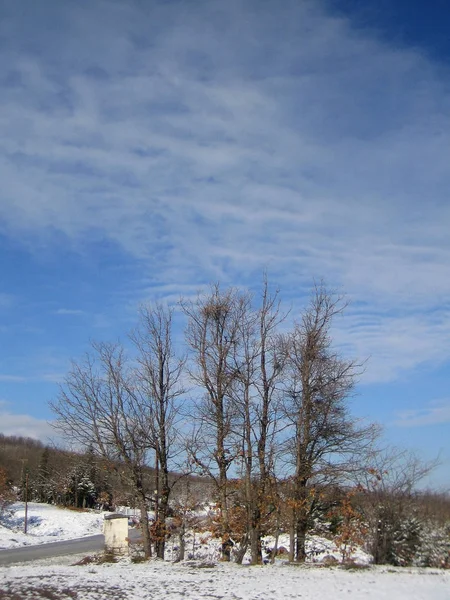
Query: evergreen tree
{"points": [[43, 485]]}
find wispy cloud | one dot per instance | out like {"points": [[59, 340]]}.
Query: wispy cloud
{"points": [[6, 300], [69, 312], [209, 153], [26, 426], [394, 343], [53, 377], [436, 413], [12, 378]]}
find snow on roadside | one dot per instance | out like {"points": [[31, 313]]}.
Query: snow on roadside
{"points": [[46, 523], [319, 549], [203, 546], [125, 581]]}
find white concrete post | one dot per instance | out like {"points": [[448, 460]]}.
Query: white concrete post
{"points": [[115, 529]]}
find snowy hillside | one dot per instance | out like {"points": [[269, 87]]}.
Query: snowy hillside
{"points": [[46, 524]]}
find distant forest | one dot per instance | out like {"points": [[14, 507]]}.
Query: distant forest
{"points": [[81, 480]]}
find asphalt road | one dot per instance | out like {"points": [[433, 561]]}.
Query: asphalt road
{"points": [[93, 543]]}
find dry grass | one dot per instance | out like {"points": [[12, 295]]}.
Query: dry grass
{"points": [[26, 590], [75, 509], [95, 559]]}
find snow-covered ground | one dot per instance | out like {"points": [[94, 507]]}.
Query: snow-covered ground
{"points": [[205, 547], [156, 580], [46, 524], [63, 579]]}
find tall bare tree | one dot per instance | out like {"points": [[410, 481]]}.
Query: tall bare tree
{"points": [[261, 363], [97, 408], [157, 391], [128, 410], [243, 397], [271, 360], [325, 437], [214, 336]]}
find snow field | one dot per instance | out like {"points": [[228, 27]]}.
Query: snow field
{"points": [[61, 579], [46, 523], [188, 581]]}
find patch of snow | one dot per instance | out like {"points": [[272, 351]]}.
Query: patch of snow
{"points": [[319, 549], [158, 579], [46, 523]]}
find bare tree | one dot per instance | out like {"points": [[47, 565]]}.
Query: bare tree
{"points": [[214, 337], [261, 364], [271, 357], [389, 503], [324, 435], [157, 390], [243, 398], [96, 408]]}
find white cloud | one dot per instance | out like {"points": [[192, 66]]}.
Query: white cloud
{"points": [[69, 312], [6, 301], [12, 378], [293, 143], [436, 413], [394, 344], [53, 377], [26, 426]]}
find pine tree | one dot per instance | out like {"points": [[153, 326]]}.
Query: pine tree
{"points": [[43, 481]]}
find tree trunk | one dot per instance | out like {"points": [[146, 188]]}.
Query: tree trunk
{"points": [[226, 541], [145, 529], [301, 528], [182, 542], [243, 545], [227, 544], [163, 507], [275, 547], [255, 537], [292, 538]]}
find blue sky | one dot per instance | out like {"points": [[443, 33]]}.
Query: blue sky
{"points": [[149, 148]]}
